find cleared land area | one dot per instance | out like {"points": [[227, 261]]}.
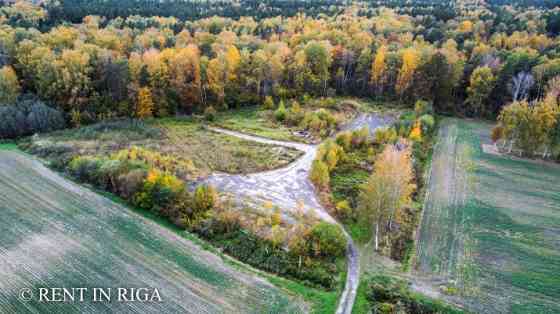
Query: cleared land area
{"points": [[252, 121], [491, 228], [58, 234], [184, 141]]}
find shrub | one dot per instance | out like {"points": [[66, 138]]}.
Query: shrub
{"points": [[319, 122], [320, 174], [392, 295], [385, 135], [13, 122], [295, 114], [360, 137], [344, 139], [108, 173], [130, 183], [497, 133], [416, 133], [268, 103], [85, 168], [44, 119], [343, 209], [276, 217], [158, 191], [205, 198], [422, 107], [327, 240], [427, 123], [210, 113], [330, 152], [280, 113]]}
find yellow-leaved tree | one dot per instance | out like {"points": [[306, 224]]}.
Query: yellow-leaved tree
{"points": [[145, 106], [389, 188], [378, 69], [410, 62], [9, 85]]}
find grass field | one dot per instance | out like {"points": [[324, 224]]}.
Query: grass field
{"points": [[183, 139], [58, 234], [252, 121], [491, 227]]}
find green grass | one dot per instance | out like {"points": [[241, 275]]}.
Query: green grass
{"points": [[8, 146], [345, 182], [361, 305], [323, 302], [183, 139], [502, 239], [252, 120]]}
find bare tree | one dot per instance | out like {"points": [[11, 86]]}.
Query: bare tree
{"points": [[520, 85]]}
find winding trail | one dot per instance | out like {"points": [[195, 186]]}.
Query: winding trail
{"points": [[290, 188]]}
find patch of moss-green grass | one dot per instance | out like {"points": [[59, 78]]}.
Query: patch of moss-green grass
{"points": [[252, 120]]}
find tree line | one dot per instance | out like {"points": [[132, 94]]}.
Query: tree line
{"points": [[472, 64]]}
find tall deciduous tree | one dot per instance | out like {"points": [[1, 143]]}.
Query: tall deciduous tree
{"points": [[9, 85], [481, 84], [378, 68], [410, 62], [185, 78], [389, 188]]}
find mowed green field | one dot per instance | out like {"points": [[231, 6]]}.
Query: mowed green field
{"points": [[55, 233], [491, 225]]}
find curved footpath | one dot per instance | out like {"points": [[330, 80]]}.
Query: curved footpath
{"points": [[290, 188]]}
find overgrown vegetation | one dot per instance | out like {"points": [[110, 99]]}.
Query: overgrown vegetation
{"points": [[28, 116], [181, 146], [369, 181], [308, 122], [67, 234], [307, 250], [386, 295]]}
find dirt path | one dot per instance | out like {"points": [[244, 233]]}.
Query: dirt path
{"points": [[59, 234], [290, 188]]}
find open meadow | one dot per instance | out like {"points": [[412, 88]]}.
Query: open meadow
{"points": [[58, 234], [490, 235], [186, 143]]}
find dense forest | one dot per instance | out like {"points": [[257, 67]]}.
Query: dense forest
{"points": [[466, 58]]}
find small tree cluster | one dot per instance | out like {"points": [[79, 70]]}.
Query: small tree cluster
{"points": [[27, 117]]}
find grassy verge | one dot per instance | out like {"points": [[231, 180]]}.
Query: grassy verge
{"points": [[323, 302], [8, 146]]}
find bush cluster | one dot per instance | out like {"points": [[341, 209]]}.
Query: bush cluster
{"points": [[145, 187], [28, 116], [390, 295], [320, 122], [310, 256]]}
